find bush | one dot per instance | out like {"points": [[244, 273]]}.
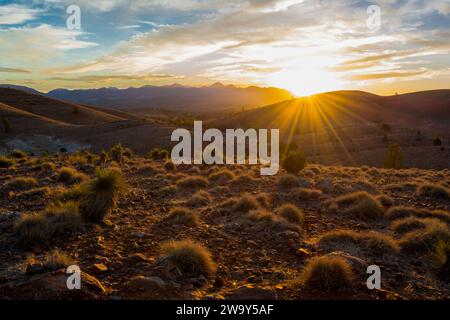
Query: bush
{"points": [[357, 204], [158, 154], [190, 257], [394, 158], [434, 191], [246, 203], [294, 162], [398, 212], [192, 182], [307, 194], [291, 213], [328, 273], [183, 216], [117, 152], [425, 240], [40, 228], [385, 200], [21, 184], [437, 142], [371, 242], [200, 198], [100, 195], [268, 220], [169, 165], [221, 176], [70, 175], [408, 224], [6, 162], [288, 181]]}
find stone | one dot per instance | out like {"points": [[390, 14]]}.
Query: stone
{"points": [[143, 283]]}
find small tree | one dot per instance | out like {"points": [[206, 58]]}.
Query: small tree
{"points": [[294, 162], [394, 157]]}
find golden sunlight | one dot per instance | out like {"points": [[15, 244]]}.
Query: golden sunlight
{"points": [[306, 80]]}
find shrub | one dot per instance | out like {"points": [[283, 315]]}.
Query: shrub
{"points": [[183, 216], [328, 273], [288, 181], [200, 198], [294, 162], [70, 175], [245, 203], [371, 242], [21, 184], [306, 194], [100, 195], [437, 142], [192, 182], [393, 158], [266, 220], [158, 154], [221, 176], [357, 204], [103, 157], [33, 229], [401, 212], [291, 213], [426, 239], [6, 162], [408, 224], [263, 199], [117, 152], [385, 200], [190, 257], [18, 154], [47, 167], [169, 165], [434, 191]]}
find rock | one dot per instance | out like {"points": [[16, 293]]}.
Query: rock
{"points": [[136, 258], [143, 283], [249, 293], [99, 268], [53, 286], [9, 216], [138, 234], [358, 264], [304, 253], [288, 235]]}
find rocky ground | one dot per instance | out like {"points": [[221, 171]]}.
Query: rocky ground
{"points": [[258, 258]]}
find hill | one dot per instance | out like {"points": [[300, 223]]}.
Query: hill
{"points": [[355, 128], [214, 98]]}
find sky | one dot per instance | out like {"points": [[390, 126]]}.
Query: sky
{"points": [[305, 46]]}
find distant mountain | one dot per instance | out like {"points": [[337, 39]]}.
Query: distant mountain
{"points": [[22, 88], [214, 98]]}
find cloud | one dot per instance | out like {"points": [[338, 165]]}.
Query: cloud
{"points": [[17, 14], [387, 75], [13, 70], [108, 78], [38, 45]]}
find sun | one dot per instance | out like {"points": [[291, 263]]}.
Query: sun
{"points": [[306, 80]]}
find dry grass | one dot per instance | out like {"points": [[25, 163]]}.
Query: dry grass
{"points": [[192, 182], [288, 181], [291, 213], [327, 273], [307, 194], [190, 257], [404, 225], [269, 221], [21, 184], [70, 175], [385, 200], [434, 191], [200, 198], [371, 242], [183, 216], [425, 240], [100, 195], [245, 203], [40, 228], [357, 204], [221, 176]]}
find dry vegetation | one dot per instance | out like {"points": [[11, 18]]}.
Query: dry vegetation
{"points": [[153, 230]]}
